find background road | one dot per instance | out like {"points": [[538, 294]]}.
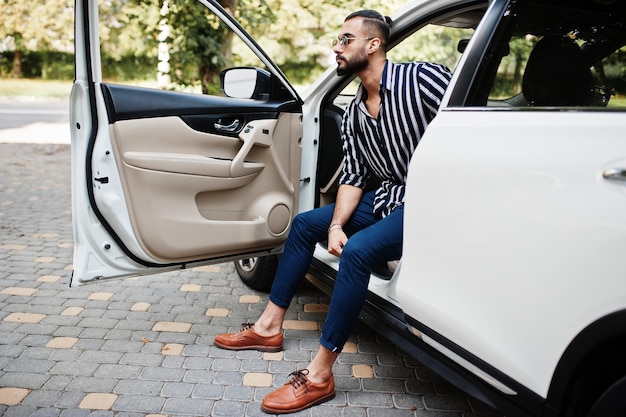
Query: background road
{"points": [[23, 113], [34, 121]]}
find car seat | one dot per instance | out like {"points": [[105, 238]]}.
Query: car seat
{"points": [[557, 74]]}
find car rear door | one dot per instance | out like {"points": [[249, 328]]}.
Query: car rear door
{"points": [[516, 234], [163, 180]]}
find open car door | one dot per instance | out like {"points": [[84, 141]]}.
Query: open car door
{"points": [[162, 180]]}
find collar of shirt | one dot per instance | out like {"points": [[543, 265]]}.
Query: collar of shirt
{"points": [[386, 83]]}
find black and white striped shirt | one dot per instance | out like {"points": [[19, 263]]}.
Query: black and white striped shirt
{"points": [[381, 148]]}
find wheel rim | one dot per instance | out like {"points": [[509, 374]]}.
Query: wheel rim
{"points": [[247, 264]]}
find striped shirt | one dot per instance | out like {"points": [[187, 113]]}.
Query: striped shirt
{"points": [[380, 149]]}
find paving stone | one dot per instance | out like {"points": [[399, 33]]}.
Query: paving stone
{"points": [[98, 401], [62, 342], [12, 396], [30, 365], [208, 391], [362, 371], [74, 369], [383, 384], [45, 412], [445, 403], [138, 387], [23, 380], [92, 384], [172, 327], [218, 312], [11, 351], [198, 376], [19, 411], [117, 371], [255, 379], [172, 349], [24, 318], [173, 362], [177, 389], [141, 306], [139, 403], [384, 412], [161, 374], [369, 399], [228, 408], [141, 359], [19, 291], [169, 337], [57, 383], [122, 345]]}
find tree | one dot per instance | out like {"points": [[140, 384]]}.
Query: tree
{"points": [[128, 33], [201, 45], [33, 25]]}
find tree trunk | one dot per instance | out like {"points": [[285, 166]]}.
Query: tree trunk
{"points": [[17, 64], [210, 79]]}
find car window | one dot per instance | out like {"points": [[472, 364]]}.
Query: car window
{"points": [[556, 54], [433, 43], [166, 56]]}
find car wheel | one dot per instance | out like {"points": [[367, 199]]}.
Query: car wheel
{"points": [[612, 402], [257, 273]]}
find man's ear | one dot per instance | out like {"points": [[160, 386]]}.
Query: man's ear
{"points": [[374, 45]]}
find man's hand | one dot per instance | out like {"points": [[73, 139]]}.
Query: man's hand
{"points": [[336, 241], [348, 198]]}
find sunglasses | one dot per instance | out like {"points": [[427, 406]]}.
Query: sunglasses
{"points": [[345, 40]]}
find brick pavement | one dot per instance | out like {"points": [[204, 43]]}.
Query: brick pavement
{"points": [[143, 346]]}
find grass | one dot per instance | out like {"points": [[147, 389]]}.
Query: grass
{"points": [[13, 88]]}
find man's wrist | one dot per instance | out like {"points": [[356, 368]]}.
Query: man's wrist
{"points": [[333, 227]]}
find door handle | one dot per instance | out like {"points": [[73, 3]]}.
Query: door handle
{"points": [[236, 124], [615, 174]]}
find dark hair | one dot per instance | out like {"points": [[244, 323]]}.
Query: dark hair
{"points": [[374, 21]]}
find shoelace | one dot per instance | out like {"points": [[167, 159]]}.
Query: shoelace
{"points": [[299, 379], [246, 326]]}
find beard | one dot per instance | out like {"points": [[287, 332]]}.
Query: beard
{"points": [[359, 63]]}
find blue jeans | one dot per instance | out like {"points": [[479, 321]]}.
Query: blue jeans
{"points": [[371, 241]]}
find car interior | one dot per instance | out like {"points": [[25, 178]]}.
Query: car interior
{"points": [[565, 50]]}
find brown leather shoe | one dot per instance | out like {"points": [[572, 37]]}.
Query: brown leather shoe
{"points": [[247, 339], [297, 394]]}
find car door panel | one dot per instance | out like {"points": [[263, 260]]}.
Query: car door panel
{"points": [[180, 183], [509, 221]]}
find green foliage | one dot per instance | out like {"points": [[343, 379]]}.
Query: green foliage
{"points": [[49, 28], [129, 27], [47, 65], [128, 68], [433, 44], [199, 45]]}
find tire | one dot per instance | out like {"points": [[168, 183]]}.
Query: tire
{"points": [[612, 402], [257, 273]]}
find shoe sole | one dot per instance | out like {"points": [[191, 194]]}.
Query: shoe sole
{"points": [[295, 410], [259, 348]]}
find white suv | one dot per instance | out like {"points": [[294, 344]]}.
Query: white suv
{"points": [[513, 280]]}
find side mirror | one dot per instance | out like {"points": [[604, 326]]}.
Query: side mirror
{"points": [[245, 82]]}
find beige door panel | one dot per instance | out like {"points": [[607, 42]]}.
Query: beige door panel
{"points": [[194, 195], [181, 163]]}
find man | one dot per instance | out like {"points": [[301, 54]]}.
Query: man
{"points": [[380, 131]]}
